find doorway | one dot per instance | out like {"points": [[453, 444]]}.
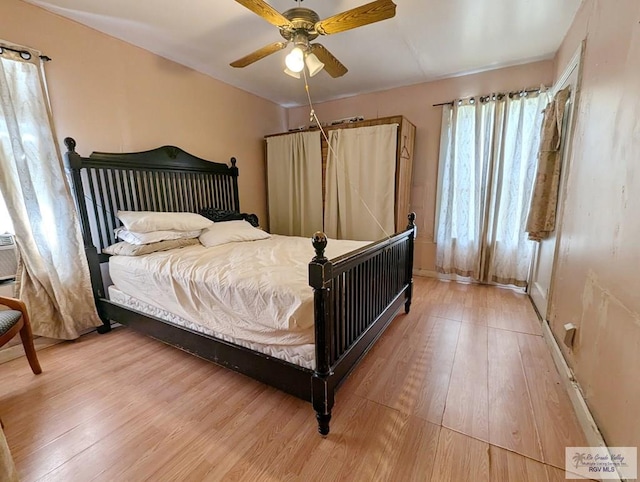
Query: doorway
{"points": [[544, 257]]}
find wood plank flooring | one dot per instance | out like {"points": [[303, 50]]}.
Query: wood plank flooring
{"points": [[462, 388]]}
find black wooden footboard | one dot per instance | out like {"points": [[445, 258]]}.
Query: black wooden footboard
{"points": [[355, 297]]}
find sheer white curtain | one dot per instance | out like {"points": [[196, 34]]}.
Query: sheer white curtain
{"points": [[510, 250], [294, 173], [466, 144], [487, 166], [53, 277], [360, 183]]}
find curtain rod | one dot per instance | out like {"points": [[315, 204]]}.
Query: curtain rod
{"points": [[25, 54], [498, 96]]}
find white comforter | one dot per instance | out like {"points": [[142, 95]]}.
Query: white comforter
{"points": [[255, 290]]}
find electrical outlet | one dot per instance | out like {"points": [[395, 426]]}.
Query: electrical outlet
{"points": [[569, 334]]}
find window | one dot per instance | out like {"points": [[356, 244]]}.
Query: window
{"points": [[6, 226]]}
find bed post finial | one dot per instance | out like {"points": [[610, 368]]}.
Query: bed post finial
{"points": [[319, 242], [412, 220], [70, 142], [233, 171], [73, 161]]}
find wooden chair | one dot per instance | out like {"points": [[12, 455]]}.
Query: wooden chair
{"points": [[14, 320]]}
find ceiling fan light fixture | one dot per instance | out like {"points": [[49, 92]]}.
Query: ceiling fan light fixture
{"points": [[295, 75], [295, 60], [313, 64]]}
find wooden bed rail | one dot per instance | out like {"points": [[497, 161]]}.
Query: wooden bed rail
{"points": [[355, 298]]}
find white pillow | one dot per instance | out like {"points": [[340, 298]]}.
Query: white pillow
{"points": [[146, 221], [132, 237], [230, 231], [125, 249]]}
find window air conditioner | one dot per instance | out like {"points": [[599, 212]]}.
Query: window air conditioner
{"points": [[8, 261]]}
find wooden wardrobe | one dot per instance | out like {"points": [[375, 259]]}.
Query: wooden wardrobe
{"points": [[403, 160]]}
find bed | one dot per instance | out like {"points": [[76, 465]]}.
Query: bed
{"points": [[352, 297]]}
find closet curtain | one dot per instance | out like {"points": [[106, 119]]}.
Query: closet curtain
{"points": [[53, 277], [488, 156], [294, 172], [360, 183]]}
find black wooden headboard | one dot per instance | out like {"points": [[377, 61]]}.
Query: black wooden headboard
{"points": [[162, 179], [165, 179]]}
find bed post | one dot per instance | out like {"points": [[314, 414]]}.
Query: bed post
{"points": [[73, 165], [236, 194], [322, 391], [412, 236]]}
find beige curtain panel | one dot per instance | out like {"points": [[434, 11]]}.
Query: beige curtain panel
{"points": [[360, 183], [541, 220], [53, 277], [294, 174]]}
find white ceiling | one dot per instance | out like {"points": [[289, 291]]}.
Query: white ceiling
{"points": [[426, 40]]}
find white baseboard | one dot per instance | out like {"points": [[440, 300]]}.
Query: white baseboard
{"points": [[585, 418], [591, 431], [14, 351], [425, 272]]}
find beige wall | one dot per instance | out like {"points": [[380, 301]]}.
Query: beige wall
{"points": [[111, 96], [415, 103], [597, 280]]}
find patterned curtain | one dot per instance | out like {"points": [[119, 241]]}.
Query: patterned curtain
{"points": [[541, 220], [53, 277], [8, 470], [465, 152], [488, 150]]}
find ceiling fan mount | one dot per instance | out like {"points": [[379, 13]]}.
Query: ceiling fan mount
{"points": [[300, 25], [302, 20]]}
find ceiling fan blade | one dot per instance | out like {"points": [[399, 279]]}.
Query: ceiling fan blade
{"points": [[357, 17], [332, 65], [259, 54], [266, 11]]}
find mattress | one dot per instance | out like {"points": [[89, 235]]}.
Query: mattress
{"points": [[301, 355], [254, 292]]}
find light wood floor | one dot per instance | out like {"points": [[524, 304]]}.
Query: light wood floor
{"points": [[463, 388]]}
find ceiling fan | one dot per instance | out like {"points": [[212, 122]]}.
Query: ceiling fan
{"points": [[301, 25]]}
